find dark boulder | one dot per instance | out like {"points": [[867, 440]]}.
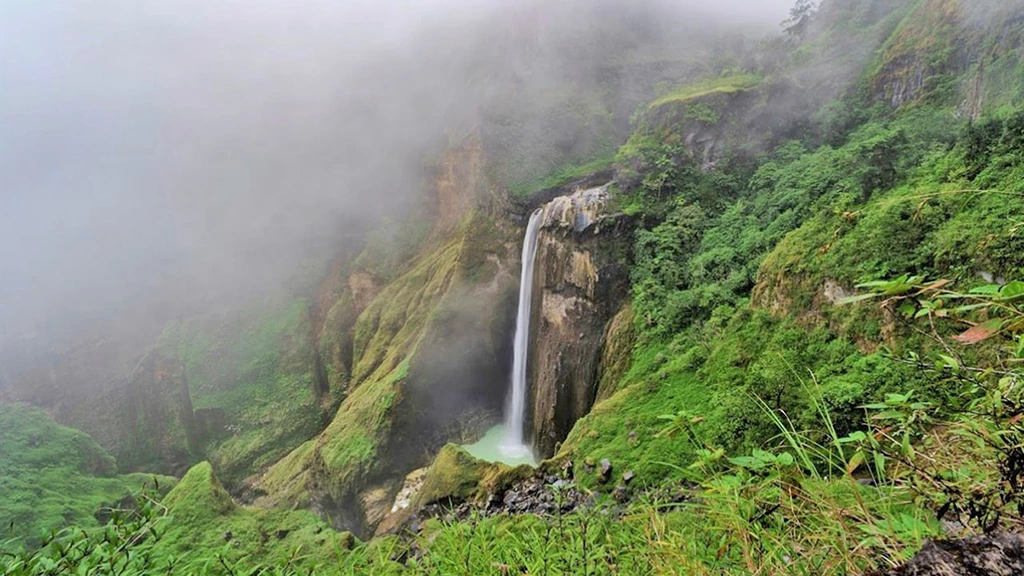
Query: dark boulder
{"points": [[998, 554]]}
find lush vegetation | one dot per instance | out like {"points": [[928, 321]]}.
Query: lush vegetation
{"points": [[727, 84], [51, 476], [824, 367], [562, 176], [254, 372]]}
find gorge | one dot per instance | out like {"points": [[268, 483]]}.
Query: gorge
{"points": [[571, 287]]}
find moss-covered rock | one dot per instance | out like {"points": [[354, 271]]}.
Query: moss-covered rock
{"points": [[919, 59], [457, 476], [199, 494], [203, 517], [959, 53], [52, 476], [424, 356], [616, 353], [254, 378], [454, 477], [703, 121]]}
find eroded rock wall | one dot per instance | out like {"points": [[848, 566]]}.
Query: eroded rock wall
{"points": [[580, 283]]}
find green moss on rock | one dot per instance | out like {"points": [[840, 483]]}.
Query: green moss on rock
{"points": [[456, 475], [204, 518], [52, 476], [693, 92], [616, 354], [253, 376], [385, 337]]}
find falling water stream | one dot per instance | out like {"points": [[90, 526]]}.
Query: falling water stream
{"points": [[513, 445], [506, 443]]}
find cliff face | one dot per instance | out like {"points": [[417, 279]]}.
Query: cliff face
{"points": [[143, 416], [421, 350], [953, 52], [580, 282]]}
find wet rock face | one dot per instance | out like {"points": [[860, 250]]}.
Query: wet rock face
{"points": [[135, 405], [997, 554], [580, 283]]}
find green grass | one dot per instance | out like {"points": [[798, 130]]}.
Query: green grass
{"points": [[626, 427], [562, 176], [738, 352], [385, 339], [52, 476], [202, 517], [729, 84]]}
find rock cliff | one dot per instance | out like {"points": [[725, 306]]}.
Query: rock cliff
{"points": [[580, 283]]}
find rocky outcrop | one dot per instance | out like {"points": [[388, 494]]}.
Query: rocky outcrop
{"points": [[158, 421], [953, 51], [161, 401], [142, 416], [459, 182], [923, 47], [427, 358], [580, 282], [616, 354], [998, 554]]}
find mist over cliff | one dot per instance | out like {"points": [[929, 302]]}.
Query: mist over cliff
{"points": [[160, 155]]}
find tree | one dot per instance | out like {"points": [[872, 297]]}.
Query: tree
{"points": [[800, 17]]}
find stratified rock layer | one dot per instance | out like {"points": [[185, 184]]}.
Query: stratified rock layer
{"points": [[580, 282]]}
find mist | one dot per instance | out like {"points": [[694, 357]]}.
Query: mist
{"points": [[170, 154]]}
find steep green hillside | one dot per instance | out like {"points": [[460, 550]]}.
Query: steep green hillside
{"points": [[52, 476], [738, 275], [252, 382], [400, 368]]}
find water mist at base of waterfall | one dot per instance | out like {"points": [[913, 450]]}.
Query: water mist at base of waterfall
{"points": [[493, 447]]}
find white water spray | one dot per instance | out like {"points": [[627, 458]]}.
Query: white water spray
{"points": [[513, 444]]}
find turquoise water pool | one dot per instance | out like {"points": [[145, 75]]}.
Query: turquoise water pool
{"points": [[493, 448]]}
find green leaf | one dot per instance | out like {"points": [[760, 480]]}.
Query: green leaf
{"points": [[1012, 290], [880, 464], [748, 462], [970, 308], [875, 284], [987, 290], [855, 299]]}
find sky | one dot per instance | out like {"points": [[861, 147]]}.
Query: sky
{"points": [[183, 149]]}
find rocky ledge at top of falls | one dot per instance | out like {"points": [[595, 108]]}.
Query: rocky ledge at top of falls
{"points": [[578, 211], [580, 282]]}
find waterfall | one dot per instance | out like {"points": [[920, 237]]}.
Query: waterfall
{"points": [[513, 444]]}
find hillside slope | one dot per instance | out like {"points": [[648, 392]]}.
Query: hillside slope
{"points": [[816, 370]]}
